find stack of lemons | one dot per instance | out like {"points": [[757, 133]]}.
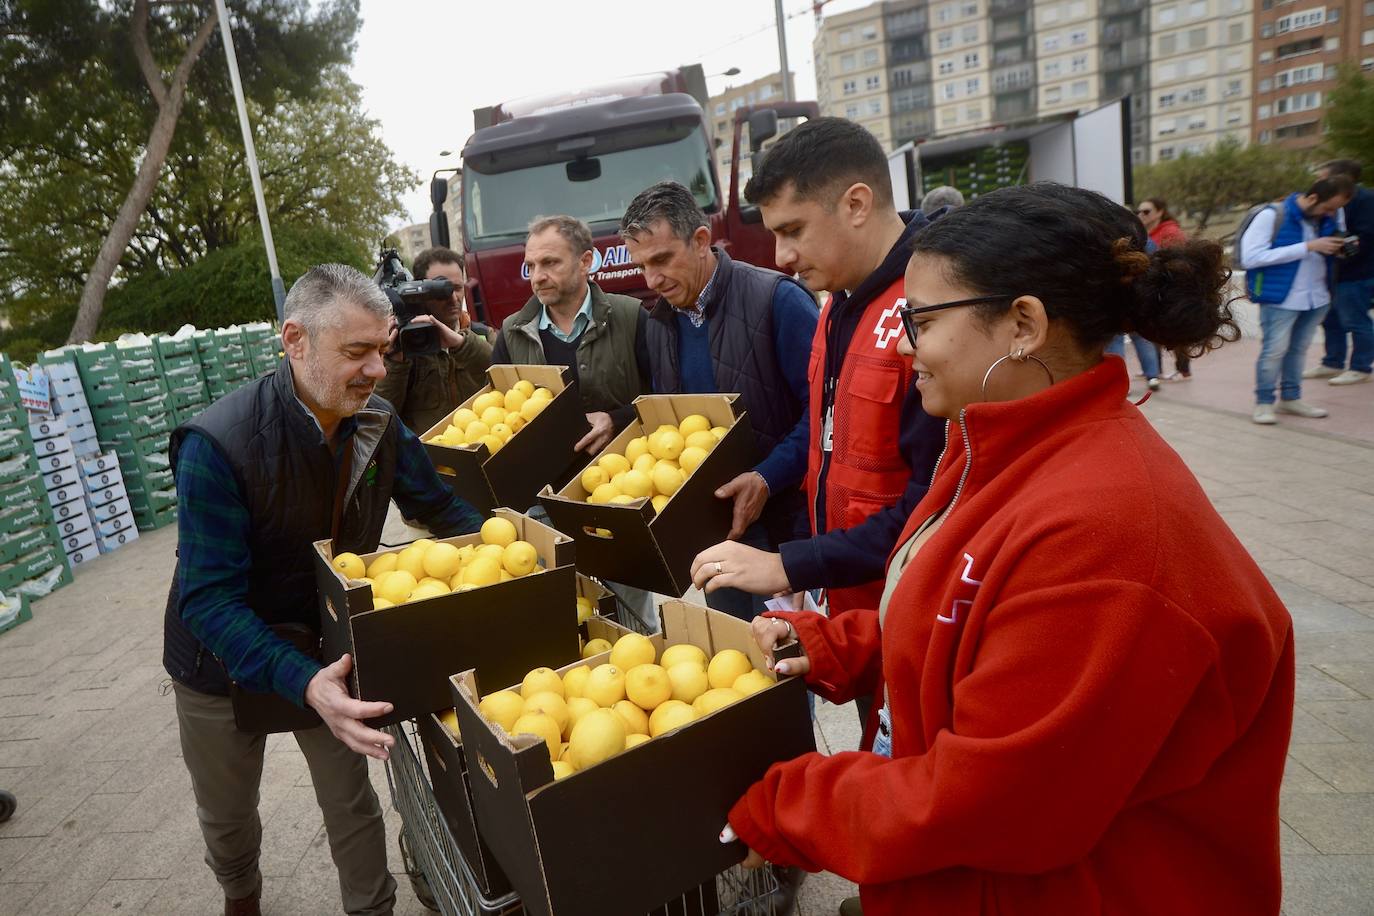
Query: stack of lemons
{"points": [[654, 467], [588, 714], [494, 417], [427, 569]]}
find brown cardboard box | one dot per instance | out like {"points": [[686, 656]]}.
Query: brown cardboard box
{"points": [[641, 828], [538, 454], [649, 551], [404, 654]]}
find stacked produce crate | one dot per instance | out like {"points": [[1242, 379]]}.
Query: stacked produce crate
{"points": [[105, 494], [53, 447], [263, 345], [183, 374]]}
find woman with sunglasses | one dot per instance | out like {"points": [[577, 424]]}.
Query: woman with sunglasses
{"points": [[1087, 681], [1165, 231]]}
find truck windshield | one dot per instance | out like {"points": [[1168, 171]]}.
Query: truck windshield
{"points": [[499, 206]]}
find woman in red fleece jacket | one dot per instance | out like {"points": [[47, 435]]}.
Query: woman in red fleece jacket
{"points": [[1089, 683]]}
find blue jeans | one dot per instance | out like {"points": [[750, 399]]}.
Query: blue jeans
{"points": [[1349, 314], [1287, 335], [1145, 351]]}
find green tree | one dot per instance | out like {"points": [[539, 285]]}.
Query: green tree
{"points": [[1350, 116], [1225, 175], [91, 101]]}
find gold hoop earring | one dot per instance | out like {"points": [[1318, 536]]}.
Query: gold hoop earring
{"points": [[1020, 356]]}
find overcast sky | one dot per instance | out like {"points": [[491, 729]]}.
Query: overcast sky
{"points": [[425, 64]]}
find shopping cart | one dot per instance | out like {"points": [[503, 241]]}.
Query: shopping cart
{"points": [[443, 880], [7, 805]]}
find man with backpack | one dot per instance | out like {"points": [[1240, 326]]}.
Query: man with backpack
{"points": [[1348, 316], [1287, 250]]}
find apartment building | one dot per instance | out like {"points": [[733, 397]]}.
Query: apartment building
{"points": [[1201, 74], [722, 109], [851, 69], [1297, 51]]}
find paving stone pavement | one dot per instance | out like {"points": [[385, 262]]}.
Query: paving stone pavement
{"points": [[106, 821]]}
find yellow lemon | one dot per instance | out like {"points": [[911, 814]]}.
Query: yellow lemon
{"points": [[605, 685], [441, 561], [716, 698], [659, 502], [482, 571], [412, 560], [493, 443], [623, 500], [667, 478], [515, 421], [688, 680], [752, 682], [379, 603], [493, 415], [636, 720], [636, 447], [550, 704], [449, 719], [597, 736], [428, 590], [594, 477], [632, 649], [695, 423], [719, 432], [487, 400], [667, 444], [395, 586], [618, 479], [532, 408], [499, 530], [505, 576], [635, 740], [502, 707], [502, 431], [433, 581], [595, 647], [351, 565], [519, 558], [635, 484], [382, 564], [541, 394], [683, 652], [668, 716], [579, 707], [575, 680], [613, 464], [647, 686], [562, 769], [585, 609], [515, 399], [462, 417], [525, 387], [541, 726], [465, 553], [474, 431], [691, 458], [665, 426], [604, 493], [727, 665], [490, 551], [702, 440], [540, 680], [644, 463]]}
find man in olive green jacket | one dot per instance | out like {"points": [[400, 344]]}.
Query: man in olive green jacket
{"points": [[570, 322], [426, 389]]}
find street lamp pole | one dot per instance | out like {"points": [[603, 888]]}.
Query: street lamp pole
{"points": [[782, 49], [278, 288]]}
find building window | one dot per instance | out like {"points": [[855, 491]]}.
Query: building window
{"points": [[971, 60], [1266, 85], [872, 83], [1296, 48], [948, 92], [1233, 117], [1234, 61], [767, 92], [850, 87], [1166, 152], [1077, 9], [1050, 43], [1167, 44], [946, 67], [973, 86], [1293, 22], [871, 57], [1078, 37], [1267, 30], [1197, 9], [1168, 15], [1166, 100], [1051, 69], [1235, 32], [1333, 14], [1197, 66], [1298, 75], [1264, 111], [974, 112], [1053, 95], [1367, 63], [847, 37], [944, 41], [1050, 14], [875, 106], [720, 108], [1303, 101], [968, 9], [969, 33], [1079, 64], [1196, 122], [851, 112], [849, 63], [1233, 89], [1197, 38], [1367, 37], [1266, 56], [948, 117], [1079, 89], [1195, 95], [1369, 9], [1168, 73], [1333, 44], [870, 32], [945, 13]]}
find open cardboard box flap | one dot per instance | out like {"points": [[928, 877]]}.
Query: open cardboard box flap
{"points": [[652, 814]]}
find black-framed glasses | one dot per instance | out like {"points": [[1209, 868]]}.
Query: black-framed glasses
{"points": [[1144, 212], [908, 315]]}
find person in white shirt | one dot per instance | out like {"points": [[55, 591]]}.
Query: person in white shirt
{"points": [[1287, 252]]}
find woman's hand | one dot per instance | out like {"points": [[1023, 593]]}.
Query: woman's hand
{"points": [[770, 632], [731, 564], [751, 859]]}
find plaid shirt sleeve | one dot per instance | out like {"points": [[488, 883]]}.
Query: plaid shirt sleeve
{"points": [[422, 496], [214, 563]]}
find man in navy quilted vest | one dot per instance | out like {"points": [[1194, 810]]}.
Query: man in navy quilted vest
{"points": [[721, 325]]}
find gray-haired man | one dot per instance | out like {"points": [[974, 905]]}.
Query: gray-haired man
{"points": [[570, 322], [304, 454]]}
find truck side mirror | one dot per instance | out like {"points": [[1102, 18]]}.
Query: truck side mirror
{"points": [[763, 126], [438, 192]]}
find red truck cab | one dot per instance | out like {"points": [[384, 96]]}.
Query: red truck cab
{"points": [[588, 154]]}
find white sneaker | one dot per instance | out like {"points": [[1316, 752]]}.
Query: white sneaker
{"points": [[1321, 370], [1349, 377], [1264, 415], [1300, 409]]}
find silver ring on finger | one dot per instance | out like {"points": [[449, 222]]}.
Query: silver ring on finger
{"points": [[719, 568]]}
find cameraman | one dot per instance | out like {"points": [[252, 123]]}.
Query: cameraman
{"points": [[425, 389]]}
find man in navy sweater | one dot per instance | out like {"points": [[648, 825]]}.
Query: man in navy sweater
{"points": [[721, 325], [1349, 312]]}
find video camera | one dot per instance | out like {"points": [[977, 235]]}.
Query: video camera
{"points": [[408, 301]]}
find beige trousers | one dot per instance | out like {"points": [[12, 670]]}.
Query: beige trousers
{"points": [[226, 770]]}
